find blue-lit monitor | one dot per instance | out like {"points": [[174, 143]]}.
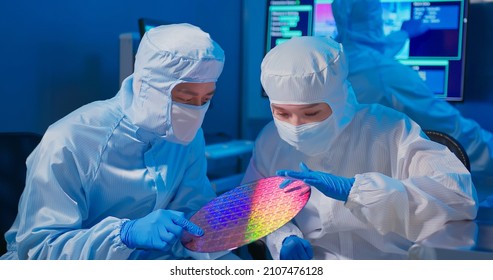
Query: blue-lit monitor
{"points": [[437, 55], [287, 19]]}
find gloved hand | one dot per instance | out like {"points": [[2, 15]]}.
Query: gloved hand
{"points": [[328, 184], [295, 248], [158, 230], [414, 27]]}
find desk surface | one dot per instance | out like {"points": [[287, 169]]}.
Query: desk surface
{"points": [[464, 240], [228, 149]]}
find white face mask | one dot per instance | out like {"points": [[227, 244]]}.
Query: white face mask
{"points": [[310, 139], [185, 122]]}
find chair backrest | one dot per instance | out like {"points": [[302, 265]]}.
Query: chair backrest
{"points": [[451, 143], [15, 147]]}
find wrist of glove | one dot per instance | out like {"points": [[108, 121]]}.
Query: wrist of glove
{"points": [[296, 248], [330, 185], [159, 230], [124, 233]]}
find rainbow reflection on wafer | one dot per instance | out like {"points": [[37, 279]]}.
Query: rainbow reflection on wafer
{"points": [[246, 214]]}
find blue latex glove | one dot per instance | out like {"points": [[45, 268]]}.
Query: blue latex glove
{"points": [[328, 184], [159, 230], [295, 248]]}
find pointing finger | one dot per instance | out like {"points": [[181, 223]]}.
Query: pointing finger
{"points": [[188, 226]]}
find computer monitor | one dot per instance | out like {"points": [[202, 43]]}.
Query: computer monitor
{"points": [[438, 55], [287, 19]]}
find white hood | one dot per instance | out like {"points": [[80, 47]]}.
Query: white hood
{"points": [[306, 70], [169, 55]]}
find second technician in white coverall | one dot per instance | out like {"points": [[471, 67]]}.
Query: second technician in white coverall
{"points": [[380, 184]]}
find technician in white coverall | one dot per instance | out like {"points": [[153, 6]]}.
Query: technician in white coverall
{"points": [[380, 184], [117, 179], [378, 78]]}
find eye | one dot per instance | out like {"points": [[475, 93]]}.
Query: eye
{"points": [[281, 114], [312, 114], [182, 99], [185, 100]]}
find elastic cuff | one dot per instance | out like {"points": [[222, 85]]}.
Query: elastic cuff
{"points": [[274, 240], [119, 228]]}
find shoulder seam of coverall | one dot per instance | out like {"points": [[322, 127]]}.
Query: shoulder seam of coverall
{"points": [[104, 148]]}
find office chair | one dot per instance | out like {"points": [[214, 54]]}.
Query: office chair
{"points": [[15, 147], [452, 144]]}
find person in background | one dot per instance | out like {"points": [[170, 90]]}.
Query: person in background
{"points": [[117, 179], [378, 183], [378, 78]]}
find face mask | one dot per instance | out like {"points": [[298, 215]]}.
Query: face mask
{"points": [[310, 139], [186, 121]]}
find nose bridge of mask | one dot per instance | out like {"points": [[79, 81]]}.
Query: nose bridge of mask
{"points": [[302, 127], [306, 138], [293, 134], [187, 119]]}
